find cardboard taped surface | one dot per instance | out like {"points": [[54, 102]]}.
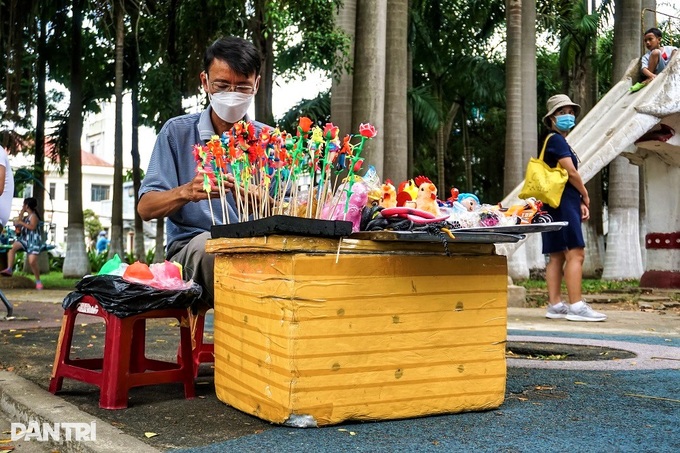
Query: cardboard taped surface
{"points": [[370, 337]]}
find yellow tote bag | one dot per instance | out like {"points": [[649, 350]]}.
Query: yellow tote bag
{"points": [[544, 182]]}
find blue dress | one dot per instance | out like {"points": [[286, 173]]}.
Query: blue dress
{"points": [[569, 210], [30, 240]]}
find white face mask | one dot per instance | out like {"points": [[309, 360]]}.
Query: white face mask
{"points": [[230, 106]]}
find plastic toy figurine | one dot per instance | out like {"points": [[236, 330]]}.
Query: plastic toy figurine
{"points": [[388, 197], [407, 193], [528, 212], [469, 201], [426, 200]]}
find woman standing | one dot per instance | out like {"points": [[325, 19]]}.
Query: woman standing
{"points": [[565, 247], [28, 239]]}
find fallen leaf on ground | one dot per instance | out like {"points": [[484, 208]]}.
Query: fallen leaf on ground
{"points": [[150, 435]]}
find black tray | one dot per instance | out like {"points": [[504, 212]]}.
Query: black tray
{"points": [[283, 224]]}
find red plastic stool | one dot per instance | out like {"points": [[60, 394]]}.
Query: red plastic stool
{"points": [[201, 352], [124, 364]]}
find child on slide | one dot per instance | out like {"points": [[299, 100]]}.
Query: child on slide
{"points": [[655, 60]]}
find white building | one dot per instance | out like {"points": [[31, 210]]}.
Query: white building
{"points": [[97, 176]]}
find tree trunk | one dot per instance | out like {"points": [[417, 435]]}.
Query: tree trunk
{"points": [[409, 116], [341, 88], [368, 97], [623, 259], [159, 252], [139, 252], [396, 85], [533, 245], [592, 229], [76, 264], [442, 142], [41, 113], [514, 168], [648, 21], [117, 241], [263, 39]]}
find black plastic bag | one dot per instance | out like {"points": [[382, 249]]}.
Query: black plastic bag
{"points": [[122, 298]]}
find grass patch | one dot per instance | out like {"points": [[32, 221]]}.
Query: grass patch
{"points": [[537, 291], [589, 286], [53, 280]]}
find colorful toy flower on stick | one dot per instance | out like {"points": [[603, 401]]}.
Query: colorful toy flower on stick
{"points": [[367, 132], [270, 164]]}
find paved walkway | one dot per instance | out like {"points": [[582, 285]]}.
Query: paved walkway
{"points": [[608, 405]]}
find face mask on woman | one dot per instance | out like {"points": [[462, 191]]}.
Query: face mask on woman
{"points": [[230, 106], [565, 123]]}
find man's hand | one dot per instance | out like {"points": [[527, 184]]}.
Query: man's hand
{"points": [[195, 191]]}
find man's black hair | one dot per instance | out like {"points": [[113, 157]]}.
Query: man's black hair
{"points": [[656, 32], [240, 54]]}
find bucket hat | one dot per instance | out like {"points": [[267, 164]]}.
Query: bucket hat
{"points": [[557, 102]]}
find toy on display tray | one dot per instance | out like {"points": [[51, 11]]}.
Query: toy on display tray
{"points": [[419, 209]]}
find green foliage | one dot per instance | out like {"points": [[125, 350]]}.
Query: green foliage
{"points": [[317, 109], [129, 175], [92, 224], [589, 286], [19, 259], [56, 280], [306, 37], [150, 255], [455, 69], [547, 77], [486, 137], [56, 263], [604, 62], [96, 260]]}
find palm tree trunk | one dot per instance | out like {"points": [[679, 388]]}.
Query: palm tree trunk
{"points": [[514, 168], [648, 21], [368, 97], [533, 245], [76, 264], [117, 246], [592, 229], [139, 253], [264, 41], [396, 85], [623, 258], [409, 116], [41, 113], [342, 86]]}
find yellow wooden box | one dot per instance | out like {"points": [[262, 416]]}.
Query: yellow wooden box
{"points": [[307, 337]]}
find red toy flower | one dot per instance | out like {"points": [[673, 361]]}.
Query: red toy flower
{"points": [[330, 131], [305, 124], [367, 130]]}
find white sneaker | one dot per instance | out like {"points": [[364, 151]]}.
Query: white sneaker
{"points": [[581, 311], [557, 311]]}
